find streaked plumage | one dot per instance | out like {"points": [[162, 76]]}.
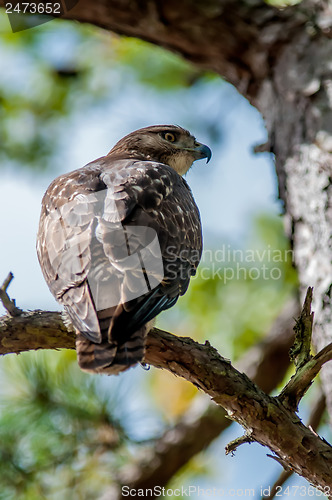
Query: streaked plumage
{"points": [[118, 241]]}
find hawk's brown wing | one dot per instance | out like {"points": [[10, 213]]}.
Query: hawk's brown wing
{"points": [[63, 243], [98, 223]]}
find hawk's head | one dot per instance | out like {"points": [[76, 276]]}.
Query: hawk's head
{"points": [[167, 144]]}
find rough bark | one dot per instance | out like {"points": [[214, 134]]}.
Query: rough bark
{"points": [[300, 89], [265, 419]]}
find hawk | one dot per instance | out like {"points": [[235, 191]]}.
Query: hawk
{"points": [[118, 241]]}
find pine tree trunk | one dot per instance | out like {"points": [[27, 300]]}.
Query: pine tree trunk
{"points": [[296, 101]]}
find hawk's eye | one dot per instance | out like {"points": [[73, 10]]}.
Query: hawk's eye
{"points": [[168, 136]]}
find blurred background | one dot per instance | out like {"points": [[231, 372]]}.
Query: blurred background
{"points": [[67, 94]]}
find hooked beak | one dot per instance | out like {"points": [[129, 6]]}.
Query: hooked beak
{"points": [[201, 151]]}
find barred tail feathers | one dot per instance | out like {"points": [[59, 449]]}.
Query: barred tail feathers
{"points": [[110, 357]]}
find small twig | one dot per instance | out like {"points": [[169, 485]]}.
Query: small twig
{"points": [[307, 367], [313, 424], [9, 304], [7, 282], [233, 445], [262, 148], [298, 385], [300, 351]]}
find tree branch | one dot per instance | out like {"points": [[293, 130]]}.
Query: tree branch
{"points": [[267, 419], [307, 367], [266, 363], [301, 381], [233, 445], [9, 304], [242, 50]]}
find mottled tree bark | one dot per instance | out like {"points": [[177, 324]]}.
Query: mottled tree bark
{"points": [[297, 101]]}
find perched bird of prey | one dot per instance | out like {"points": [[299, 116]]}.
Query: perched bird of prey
{"points": [[118, 241]]}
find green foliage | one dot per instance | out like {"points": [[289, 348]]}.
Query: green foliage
{"points": [[156, 67], [281, 4], [57, 429]]}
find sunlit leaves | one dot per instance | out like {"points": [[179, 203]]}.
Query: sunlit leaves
{"points": [[281, 4], [155, 66]]}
